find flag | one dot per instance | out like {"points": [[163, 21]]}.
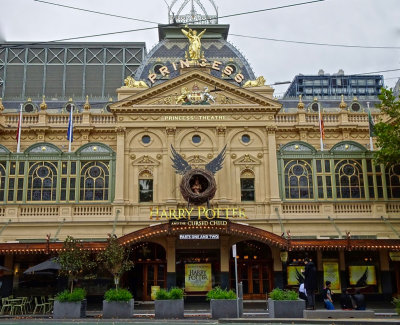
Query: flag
{"points": [[70, 136], [371, 125], [18, 137]]}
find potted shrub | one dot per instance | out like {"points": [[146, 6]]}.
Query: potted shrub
{"points": [[169, 304], [223, 303], [117, 303], [74, 261], [285, 304], [68, 304]]}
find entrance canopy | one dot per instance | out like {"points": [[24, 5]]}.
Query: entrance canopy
{"points": [[230, 228]]}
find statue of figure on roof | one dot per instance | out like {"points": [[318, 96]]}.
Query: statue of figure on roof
{"points": [[195, 43]]}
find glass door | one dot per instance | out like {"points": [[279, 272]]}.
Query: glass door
{"points": [[154, 275]]}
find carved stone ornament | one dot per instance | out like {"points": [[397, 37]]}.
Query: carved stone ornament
{"points": [[132, 83], [120, 130], [300, 104], [221, 130], [1, 105], [43, 105], [170, 131], [87, 104], [260, 81]]}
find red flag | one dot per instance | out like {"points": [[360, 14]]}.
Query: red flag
{"points": [[322, 129]]}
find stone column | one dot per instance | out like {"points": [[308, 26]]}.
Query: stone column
{"points": [[342, 269], [221, 179], [120, 166], [273, 166], [385, 273], [224, 261], [279, 280], [171, 262], [170, 175]]}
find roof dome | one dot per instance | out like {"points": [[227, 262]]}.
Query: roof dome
{"points": [[173, 45]]}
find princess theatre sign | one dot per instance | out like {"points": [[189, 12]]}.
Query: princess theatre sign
{"points": [[195, 58]]}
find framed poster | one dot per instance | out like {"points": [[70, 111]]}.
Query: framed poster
{"points": [[295, 275], [198, 277], [362, 275], [331, 273]]}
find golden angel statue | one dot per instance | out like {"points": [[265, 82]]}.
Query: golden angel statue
{"points": [[195, 43]]}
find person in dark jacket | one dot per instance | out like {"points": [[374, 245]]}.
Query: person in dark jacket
{"points": [[359, 300], [310, 282], [346, 300]]}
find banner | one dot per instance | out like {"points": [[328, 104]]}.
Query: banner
{"points": [[331, 273], [295, 275], [362, 275], [198, 277]]}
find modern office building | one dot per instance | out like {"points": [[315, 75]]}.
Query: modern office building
{"points": [[280, 196]]}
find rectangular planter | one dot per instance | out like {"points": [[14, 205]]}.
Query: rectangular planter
{"points": [[169, 308], [225, 308], [286, 308], [69, 310], [118, 309]]}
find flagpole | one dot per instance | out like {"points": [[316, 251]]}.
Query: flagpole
{"points": [[371, 145], [19, 129], [70, 127], [320, 127]]}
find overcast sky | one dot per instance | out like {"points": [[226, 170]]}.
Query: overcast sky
{"points": [[351, 22]]}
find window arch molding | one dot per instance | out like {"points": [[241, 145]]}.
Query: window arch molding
{"points": [[300, 147], [348, 147], [43, 148]]}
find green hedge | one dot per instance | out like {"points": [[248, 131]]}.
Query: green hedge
{"points": [[172, 294], [279, 294], [117, 295], [78, 294], [218, 293]]}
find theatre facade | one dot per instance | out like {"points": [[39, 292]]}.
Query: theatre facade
{"points": [[279, 197]]}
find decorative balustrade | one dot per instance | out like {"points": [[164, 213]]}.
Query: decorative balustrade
{"points": [[92, 210], [300, 208], [353, 208], [328, 118], [2, 212], [392, 207], [26, 119], [102, 119], [39, 211], [63, 119], [286, 118]]}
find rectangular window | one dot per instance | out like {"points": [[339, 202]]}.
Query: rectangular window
{"points": [[145, 190], [247, 189]]}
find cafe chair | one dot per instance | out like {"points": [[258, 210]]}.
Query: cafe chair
{"points": [[39, 306]]}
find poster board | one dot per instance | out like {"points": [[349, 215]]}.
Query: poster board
{"points": [[295, 275], [362, 275], [331, 273], [198, 277]]}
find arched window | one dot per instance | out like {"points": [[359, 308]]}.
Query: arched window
{"points": [[298, 179], [42, 181], [95, 177], [2, 179], [247, 188], [393, 181], [145, 186], [349, 179]]}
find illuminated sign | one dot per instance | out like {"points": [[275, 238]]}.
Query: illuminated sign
{"points": [[198, 277], [361, 275], [199, 213], [295, 275], [331, 273], [215, 65], [198, 236]]}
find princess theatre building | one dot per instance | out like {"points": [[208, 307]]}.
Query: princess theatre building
{"points": [[279, 197]]}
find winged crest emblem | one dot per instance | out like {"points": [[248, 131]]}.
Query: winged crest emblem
{"points": [[198, 185]]}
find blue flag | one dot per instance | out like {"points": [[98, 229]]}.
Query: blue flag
{"points": [[70, 136]]}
